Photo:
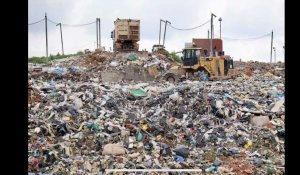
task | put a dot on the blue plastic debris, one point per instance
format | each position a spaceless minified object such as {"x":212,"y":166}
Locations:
{"x":211,"y":169}
{"x":192,"y":140}
{"x":280,"y":96}
{"x":58,"y":70}
{"x":204,"y":76}
{"x":179,"y":159}
{"x":106,"y":97}
{"x":139,"y":136}
{"x":52,"y":84}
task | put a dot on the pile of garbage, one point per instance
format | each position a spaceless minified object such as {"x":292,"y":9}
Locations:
{"x":110,"y":67}
{"x":251,"y":67}
{"x":78,"y":124}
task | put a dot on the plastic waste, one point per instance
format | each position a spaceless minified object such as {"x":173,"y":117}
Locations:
{"x":258,"y":161}
{"x":144,"y":127}
{"x":93,"y":126}
{"x":138,"y":93}
{"x":58,"y":70}
{"x":148,"y":146}
{"x":179,"y":159}
{"x":211,"y":169}
{"x":217,"y":163}
{"x":182,"y":150}
{"x":36,"y":153}
{"x":165,"y":150}
{"x":174,"y":96}
{"x":139,"y":136}
{"x":78,"y":103}
{"x":52,"y":84}
{"x":249,"y":144}
{"x":132,"y":57}
{"x":114,"y":63}
{"x":54,"y":94}
{"x":204,"y":76}
{"x":73,"y":70}
{"x":106,"y":97}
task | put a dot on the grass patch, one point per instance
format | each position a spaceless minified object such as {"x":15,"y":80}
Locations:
{"x":38,"y":60}
{"x":41,"y":60}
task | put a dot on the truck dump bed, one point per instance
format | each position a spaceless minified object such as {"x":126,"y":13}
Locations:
{"x":126,"y":34}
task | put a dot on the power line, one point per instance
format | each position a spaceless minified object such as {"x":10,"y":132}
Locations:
{"x":36,"y":22}
{"x":79,"y":25}
{"x":52,"y":21}
{"x":254,"y":38}
{"x":71,"y":25}
{"x":190,"y":28}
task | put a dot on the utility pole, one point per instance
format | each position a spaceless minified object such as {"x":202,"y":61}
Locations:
{"x":160,"y":30}
{"x":211,"y":31}
{"x":97,"y":32}
{"x":61,"y":38}
{"x":220,"y":19}
{"x":46,"y":35}
{"x":271,"y":46}
{"x":165,"y":31}
{"x":208,"y":34}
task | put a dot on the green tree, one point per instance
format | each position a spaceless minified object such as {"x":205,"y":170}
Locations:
{"x":174,"y":57}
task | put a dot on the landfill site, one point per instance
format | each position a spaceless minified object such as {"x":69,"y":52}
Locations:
{"x":131,"y":109}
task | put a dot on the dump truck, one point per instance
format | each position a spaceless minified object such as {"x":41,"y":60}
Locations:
{"x":213,"y":67}
{"x":126,"y":35}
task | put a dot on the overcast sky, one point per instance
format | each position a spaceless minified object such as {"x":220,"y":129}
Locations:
{"x":240,"y":20}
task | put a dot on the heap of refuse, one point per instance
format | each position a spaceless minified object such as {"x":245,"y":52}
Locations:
{"x":78,"y":124}
{"x":262,"y":68}
{"x":109,"y":67}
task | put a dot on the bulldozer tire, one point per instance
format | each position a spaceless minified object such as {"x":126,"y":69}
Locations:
{"x":170,"y":79}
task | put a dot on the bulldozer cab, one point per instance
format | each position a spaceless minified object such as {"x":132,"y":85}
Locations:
{"x":190,"y":56}
{"x":228,"y":64}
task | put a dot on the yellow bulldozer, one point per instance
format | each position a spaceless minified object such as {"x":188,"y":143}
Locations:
{"x":197,"y":65}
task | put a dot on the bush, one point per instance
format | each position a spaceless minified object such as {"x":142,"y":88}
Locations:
{"x":51,"y":57}
{"x":174,"y":57}
{"x":43,"y":59}
{"x":79,"y":53}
